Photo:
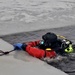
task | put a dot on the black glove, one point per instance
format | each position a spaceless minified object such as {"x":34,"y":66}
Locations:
{"x":24,"y":46}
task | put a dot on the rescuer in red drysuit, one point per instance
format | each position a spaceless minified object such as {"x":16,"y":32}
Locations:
{"x":37,"y":52}
{"x":42,"y":48}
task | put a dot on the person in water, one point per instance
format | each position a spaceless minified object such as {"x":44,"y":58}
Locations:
{"x":49,"y":47}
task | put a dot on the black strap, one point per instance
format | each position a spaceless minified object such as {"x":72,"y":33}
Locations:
{"x":5,"y":53}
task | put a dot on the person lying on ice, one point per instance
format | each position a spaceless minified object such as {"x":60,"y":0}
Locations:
{"x":49,"y":47}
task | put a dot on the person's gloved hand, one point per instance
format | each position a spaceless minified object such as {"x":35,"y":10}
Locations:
{"x":19,"y":46}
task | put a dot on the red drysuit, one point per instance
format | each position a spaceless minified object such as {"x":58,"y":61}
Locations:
{"x":38,"y":53}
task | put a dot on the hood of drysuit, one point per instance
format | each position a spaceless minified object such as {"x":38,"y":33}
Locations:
{"x":49,"y":38}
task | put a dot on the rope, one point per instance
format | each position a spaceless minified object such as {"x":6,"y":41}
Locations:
{"x":5,"y":53}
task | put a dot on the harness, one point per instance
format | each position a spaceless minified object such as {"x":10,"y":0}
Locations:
{"x":66,"y":44}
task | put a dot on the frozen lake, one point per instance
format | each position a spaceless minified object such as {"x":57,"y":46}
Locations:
{"x":29,"y":15}
{"x":37,"y":10}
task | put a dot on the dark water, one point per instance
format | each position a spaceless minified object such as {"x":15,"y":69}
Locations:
{"x":68,"y":66}
{"x":69,"y":32}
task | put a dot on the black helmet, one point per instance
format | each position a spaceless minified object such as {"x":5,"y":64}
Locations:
{"x":50,"y":37}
